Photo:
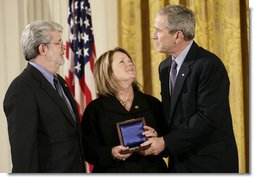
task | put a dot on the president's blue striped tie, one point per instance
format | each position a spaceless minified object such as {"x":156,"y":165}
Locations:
{"x":173,"y":72}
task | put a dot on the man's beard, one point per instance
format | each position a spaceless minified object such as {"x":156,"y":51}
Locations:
{"x":59,"y":60}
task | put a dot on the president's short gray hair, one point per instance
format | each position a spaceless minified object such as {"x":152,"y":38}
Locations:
{"x":180,"y":18}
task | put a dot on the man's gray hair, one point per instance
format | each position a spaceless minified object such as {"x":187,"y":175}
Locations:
{"x":180,"y":18}
{"x":37,"y":33}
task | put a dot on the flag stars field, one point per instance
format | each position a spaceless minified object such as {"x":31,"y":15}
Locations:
{"x":80,"y":56}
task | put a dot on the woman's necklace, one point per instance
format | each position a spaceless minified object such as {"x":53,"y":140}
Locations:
{"x":124,"y":102}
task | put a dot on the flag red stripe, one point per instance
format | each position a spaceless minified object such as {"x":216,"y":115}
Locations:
{"x":80,"y":53}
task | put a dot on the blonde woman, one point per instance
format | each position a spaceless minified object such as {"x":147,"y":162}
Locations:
{"x":119,"y":99}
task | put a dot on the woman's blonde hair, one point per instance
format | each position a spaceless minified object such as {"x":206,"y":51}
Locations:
{"x":103,"y":74}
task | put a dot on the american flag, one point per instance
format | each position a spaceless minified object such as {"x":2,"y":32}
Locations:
{"x":81,"y":56}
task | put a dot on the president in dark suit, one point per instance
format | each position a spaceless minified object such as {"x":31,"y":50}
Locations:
{"x":194,"y":90}
{"x":43,"y":122}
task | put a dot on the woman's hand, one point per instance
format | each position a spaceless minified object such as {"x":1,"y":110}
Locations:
{"x":116,"y":152}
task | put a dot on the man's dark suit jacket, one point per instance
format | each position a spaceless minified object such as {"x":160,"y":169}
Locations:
{"x":43,"y":136}
{"x":200,"y":137}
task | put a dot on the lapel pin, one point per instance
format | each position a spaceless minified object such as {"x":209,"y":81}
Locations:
{"x":183,"y":75}
{"x":65,"y":85}
{"x":136,"y":106}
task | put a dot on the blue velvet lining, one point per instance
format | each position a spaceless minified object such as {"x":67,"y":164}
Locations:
{"x":132,"y":134}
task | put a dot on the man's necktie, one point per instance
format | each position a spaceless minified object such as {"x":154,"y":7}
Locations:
{"x":60,"y":92}
{"x":173,"y":72}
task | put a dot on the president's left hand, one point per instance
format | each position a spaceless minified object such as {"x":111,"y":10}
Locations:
{"x":157,"y":145}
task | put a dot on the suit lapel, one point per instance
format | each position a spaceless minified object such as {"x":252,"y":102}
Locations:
{"x":70,"y":97}
{"x":164,"y":78}
{"x":47,"y":87}
{"x":182,"y":75}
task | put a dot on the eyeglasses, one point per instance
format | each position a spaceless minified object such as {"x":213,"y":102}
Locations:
{"x":60,"y":43}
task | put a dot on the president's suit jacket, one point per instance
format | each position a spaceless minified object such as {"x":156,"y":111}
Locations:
{"x":200,"y":137}
{"x":43,"y":136}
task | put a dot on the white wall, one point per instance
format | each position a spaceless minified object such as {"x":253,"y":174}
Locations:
{"x":105,"y":17}
{"x":14,"y":15}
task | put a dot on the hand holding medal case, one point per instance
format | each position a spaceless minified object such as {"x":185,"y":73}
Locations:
{"x":130,"y":134}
